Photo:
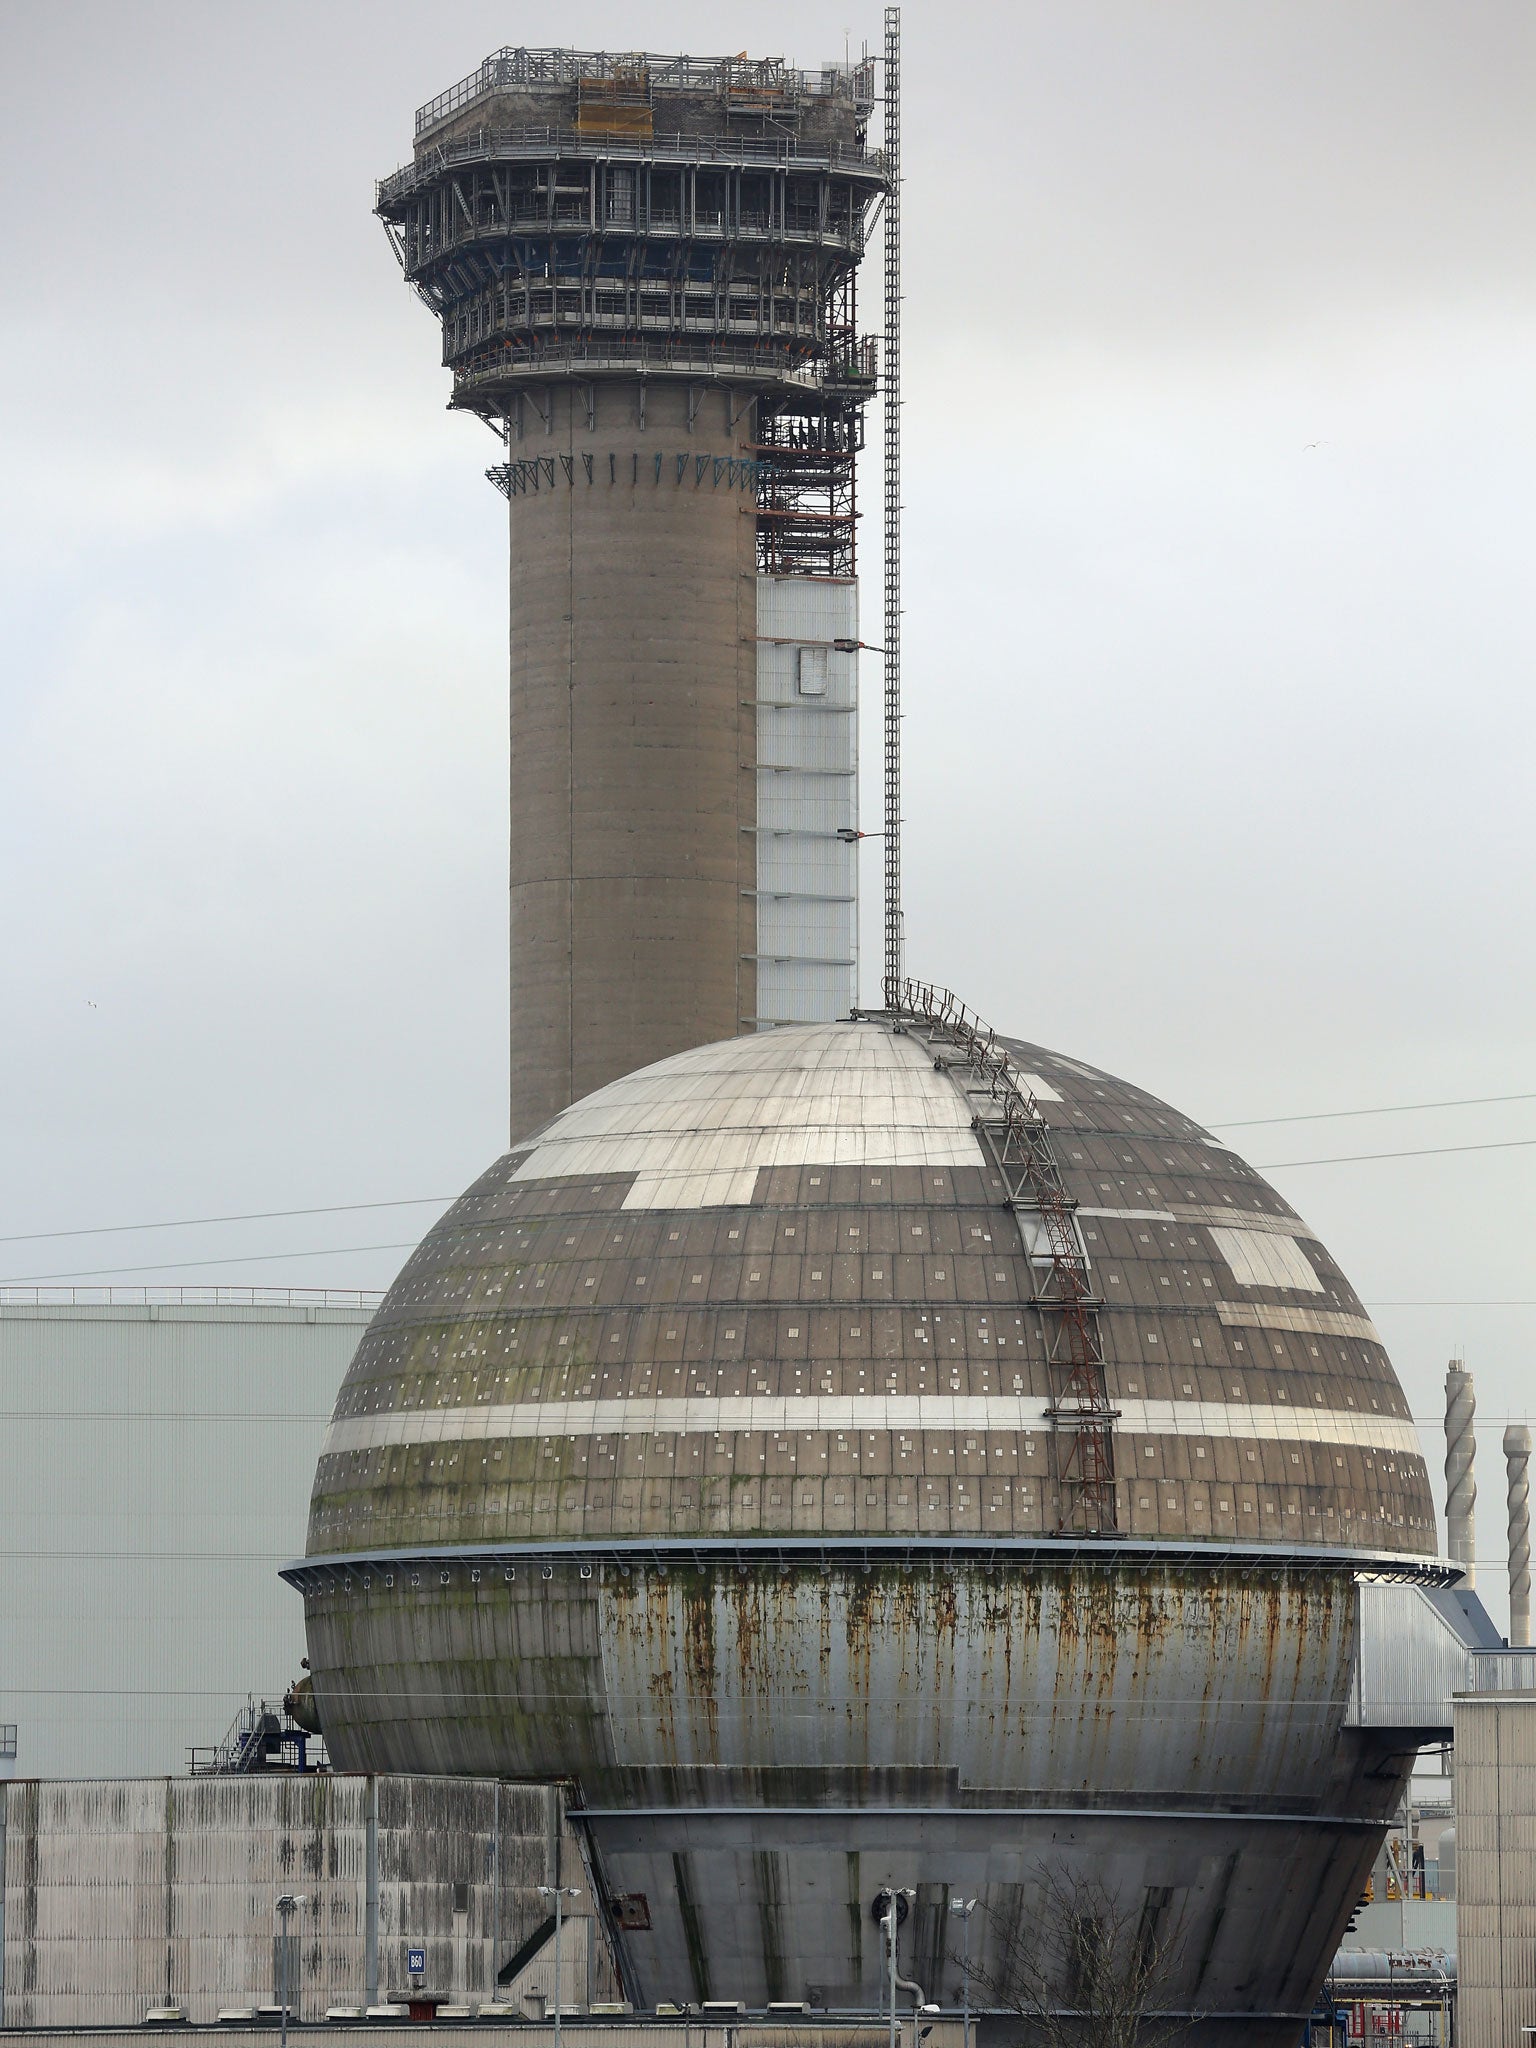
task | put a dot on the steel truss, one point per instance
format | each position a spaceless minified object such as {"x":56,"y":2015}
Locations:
{"x":1012,"y":1126}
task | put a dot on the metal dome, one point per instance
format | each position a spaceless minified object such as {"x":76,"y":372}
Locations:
{"x":722,"y":1453}
{"x":769,"y":1286}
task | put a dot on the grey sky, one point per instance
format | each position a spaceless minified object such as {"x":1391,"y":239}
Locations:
{"x":1219,"y":741}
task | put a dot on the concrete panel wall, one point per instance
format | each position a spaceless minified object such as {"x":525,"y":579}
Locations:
{"x":1495,"y":1868}
{"x":154,"y":1473}
{"x":122,"y":1895}
{"x":633,"y":748}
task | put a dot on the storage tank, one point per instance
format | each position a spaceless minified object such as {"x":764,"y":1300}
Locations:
{"x":871,"y":1453}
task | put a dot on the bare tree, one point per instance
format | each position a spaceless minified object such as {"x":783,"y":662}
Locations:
{"x":1083,"y":1968}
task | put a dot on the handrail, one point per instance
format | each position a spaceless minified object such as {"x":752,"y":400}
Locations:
{"x":500,"y":143}
{"x":1020,"y":1141}
{"x":212,"y":1295}
{"x":769,"y":363}
{"x":513,"y":66}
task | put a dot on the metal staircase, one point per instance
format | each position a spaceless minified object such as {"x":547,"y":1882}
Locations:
{"x":1010,"y":1123}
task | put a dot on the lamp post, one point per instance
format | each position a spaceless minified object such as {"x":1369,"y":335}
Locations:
{"x":559,"y":1893}
{"x":288,"y":1903}
{"x":889,"y":1920}
{"x":965,"y":1908}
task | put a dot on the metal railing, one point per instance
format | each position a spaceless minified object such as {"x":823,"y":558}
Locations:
{"x":1016,"y":1133}
{"x":764,"y":362}
{"x":210,"y":1296}
{"x":1502,"y":1671}
{"x":511,"y":66}
{"x":502,"y":144}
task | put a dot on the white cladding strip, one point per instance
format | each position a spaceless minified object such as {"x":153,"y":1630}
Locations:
{"x":1130,"y":1215}
{"x":807,"y":795}
{"x":1265,"y":1258}
{"x":697,"y":1130}
{"x":1231,"y":1218}
{"x":1307,"y":1322}
{"x":781,"y":1415}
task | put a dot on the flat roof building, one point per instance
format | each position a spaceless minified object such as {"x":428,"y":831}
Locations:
{"x":155,"y":1452}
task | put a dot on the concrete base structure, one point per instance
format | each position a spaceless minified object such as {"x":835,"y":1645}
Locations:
{"x":716,"y":2030}
{"x":1496,"y":1860}
{"x":118,"y":1897}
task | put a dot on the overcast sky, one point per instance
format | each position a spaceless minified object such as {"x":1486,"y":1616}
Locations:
{"x":1221,"y":426}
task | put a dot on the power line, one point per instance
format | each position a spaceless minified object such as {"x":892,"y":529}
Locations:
{"x":1423,"y":1152}
{"x":250,"y":1216}
{"x":339,"y":1251}
{"x":329,"y":1251}
{"x":425,"y":1201}
{"x":1322,"y":1116}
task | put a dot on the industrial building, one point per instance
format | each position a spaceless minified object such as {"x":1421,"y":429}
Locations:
{"x":865,"y":1455}
{"x":161,"y":1437}
{"x":838,"y":1465}
{"x":720,"y":1451}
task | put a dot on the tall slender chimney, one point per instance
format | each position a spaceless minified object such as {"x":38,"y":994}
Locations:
{"x":1460,"y":1484}
{"x":1517,"y":1460}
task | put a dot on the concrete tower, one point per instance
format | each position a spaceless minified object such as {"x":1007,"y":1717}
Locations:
{"x":644,"y":268}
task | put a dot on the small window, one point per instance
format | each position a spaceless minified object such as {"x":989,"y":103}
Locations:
{"x":811,"y":671}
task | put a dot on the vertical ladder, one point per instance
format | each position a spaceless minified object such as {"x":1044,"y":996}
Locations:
{"x":1013,"y":1128}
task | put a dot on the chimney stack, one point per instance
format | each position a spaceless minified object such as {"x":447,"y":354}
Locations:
{"x":1517,"y":1459}
{"x":1460,"y":1484}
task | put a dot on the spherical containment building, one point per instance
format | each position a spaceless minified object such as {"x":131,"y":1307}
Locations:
{"x":857,"y":1458}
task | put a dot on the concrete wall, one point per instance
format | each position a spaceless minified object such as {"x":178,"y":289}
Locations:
{"x":815,"y":2031}
{"x":633,"y":741}
{"x":1496,"y":1868}
{"x":123,"y":1895}
{"x":154,"y":1473}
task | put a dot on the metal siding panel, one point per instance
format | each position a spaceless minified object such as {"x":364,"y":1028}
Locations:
{"x":807,"y":790}
{"x":155,"y":1465}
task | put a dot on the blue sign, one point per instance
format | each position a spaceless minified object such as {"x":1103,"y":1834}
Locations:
{"x":415,"y":1962}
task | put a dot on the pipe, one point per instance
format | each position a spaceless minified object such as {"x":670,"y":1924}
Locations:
{"x":1460,"y":1481}
{"x":1517,"y":1460}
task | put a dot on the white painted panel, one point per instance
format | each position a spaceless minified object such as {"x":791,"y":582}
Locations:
{"x":807,"y":795}
{"x":782,"y":1099}
{"x":935,"y":1414}
{"x":1265,"y":1258}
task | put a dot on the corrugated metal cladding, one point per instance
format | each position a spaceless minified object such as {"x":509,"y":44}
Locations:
{"x":1495,"y":1868}
{"x":807,"y":793}
{"x":154,"y":1469}
{"x":127,"y":1894}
